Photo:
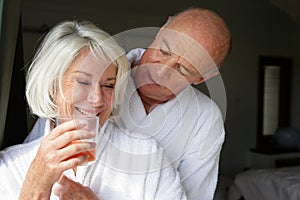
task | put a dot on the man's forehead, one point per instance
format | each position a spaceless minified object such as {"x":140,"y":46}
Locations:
{"x":185,"y":47}
{"x":178,"y":42}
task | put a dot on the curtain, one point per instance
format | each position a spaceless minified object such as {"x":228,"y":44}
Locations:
{"x":10,"y":15}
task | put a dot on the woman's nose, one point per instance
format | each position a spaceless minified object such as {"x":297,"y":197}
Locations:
{"x":95,"y":96}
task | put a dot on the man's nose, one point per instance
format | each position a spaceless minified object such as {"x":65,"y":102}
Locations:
{"x":166,"y":68}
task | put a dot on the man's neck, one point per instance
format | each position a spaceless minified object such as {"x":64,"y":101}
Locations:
{"x":149,"y":104}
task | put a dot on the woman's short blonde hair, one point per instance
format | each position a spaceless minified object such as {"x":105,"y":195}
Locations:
{"x":55,"y":54}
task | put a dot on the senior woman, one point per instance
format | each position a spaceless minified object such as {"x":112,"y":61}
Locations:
{"x":80,"y":70}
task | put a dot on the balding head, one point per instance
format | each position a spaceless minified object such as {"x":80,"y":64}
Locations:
{"x":207,"y":28}
{"x":187,"y":50}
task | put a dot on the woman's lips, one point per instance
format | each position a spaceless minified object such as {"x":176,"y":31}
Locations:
{"x":84,"y":112}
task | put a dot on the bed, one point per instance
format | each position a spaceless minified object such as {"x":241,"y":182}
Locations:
{"x":267,"y":184}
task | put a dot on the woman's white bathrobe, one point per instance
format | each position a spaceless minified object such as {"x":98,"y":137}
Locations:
{"x":128,"y":167}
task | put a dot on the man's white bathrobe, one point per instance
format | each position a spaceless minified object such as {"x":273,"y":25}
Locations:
{"x":128,"y":167}
{"x":190,"y":128}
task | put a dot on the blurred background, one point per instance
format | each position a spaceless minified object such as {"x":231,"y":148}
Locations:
{"x":264,"y":33}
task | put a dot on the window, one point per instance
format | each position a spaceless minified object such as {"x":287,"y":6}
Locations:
{"x":274,"y":88}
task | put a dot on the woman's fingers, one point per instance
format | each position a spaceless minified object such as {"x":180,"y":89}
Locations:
{"x":63,"y":148}
{"x":66,"y":146}
{"x":68,"y":189}
{"x":65,"y":127}
{"x":73,"y":135}
{"x":73,"y":162}
{"x":76,"y":148}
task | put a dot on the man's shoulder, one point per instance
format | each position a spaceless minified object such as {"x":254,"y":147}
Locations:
{"x":135,"y":55}
{"x":201,"y":95}
{"x":206,"y":106}
{"x":203,"y":100}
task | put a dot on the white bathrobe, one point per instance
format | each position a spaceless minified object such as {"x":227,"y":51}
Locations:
{"x":127,"y":168}
{"x":190,"y":128}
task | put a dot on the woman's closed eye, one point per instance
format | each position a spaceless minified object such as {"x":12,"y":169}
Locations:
{"x":108,"y":86}
{"x":83,"y":81}
{"x":108,"y":83}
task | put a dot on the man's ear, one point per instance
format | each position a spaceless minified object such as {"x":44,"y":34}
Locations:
{"x":201,"y":80}
{"x":207,"y":76}
{"x":168,"y":21}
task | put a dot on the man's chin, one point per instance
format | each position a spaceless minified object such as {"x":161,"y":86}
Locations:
{"x":157,"y":95}
{"x":154,"y":87}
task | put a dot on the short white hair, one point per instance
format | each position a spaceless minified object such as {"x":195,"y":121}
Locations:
{"x":55,"y":54}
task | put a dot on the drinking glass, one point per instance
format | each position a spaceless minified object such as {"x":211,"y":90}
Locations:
{"x":91,"y":124}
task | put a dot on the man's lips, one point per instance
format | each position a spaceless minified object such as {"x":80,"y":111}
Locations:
{"x":150,"y":77}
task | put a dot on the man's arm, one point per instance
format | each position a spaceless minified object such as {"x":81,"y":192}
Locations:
{"x":199,"y":173}
{"x":199,"y":165}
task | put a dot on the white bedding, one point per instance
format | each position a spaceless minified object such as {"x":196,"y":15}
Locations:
{"x":268,"y":184}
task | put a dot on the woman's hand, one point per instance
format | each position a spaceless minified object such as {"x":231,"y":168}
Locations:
{"x":54,"y":156}
{"x":70,"y":190}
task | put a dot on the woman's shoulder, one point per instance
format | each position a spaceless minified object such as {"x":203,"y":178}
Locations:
{"x":14,"y":163}
{"x":20,"y":153}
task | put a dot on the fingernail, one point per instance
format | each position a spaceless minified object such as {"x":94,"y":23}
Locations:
{"x":93,"y":133}
{"x":81,"y":123}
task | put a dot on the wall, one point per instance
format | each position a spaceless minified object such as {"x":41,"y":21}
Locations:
{"x":257,"y":27}
{"x":259,"y":30}
{"x":30,"y":41}
{"x":296,"y":79}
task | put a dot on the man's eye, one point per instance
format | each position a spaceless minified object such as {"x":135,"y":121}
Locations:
{"x":183,"y":71}
{"x":165,"y":52}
